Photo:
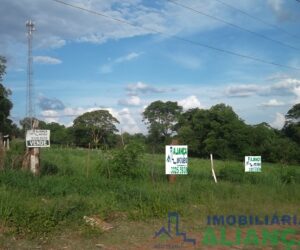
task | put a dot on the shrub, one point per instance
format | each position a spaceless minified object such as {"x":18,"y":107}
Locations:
{"x":127,"y":162}
{"x":232,"y":173}
{"x":14,"y":156}
{"x":48,"y":168}
{"x":289,"y":175}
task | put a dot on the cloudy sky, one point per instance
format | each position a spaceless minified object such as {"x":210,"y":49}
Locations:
{"x":122,"y":55}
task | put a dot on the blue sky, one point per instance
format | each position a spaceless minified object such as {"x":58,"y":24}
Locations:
{"x":84,"y":62}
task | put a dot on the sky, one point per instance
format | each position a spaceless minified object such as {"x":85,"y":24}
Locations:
{"x":123,"y":55}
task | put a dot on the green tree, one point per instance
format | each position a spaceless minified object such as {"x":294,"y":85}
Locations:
{"x":217,"y":130}
{"x":59,"y":133}
{"x":161,"y":119}
{"x":26,"y":124}
{"x":95,"y":127}
{"x":292,"y":124}
{"x":5,"y":104}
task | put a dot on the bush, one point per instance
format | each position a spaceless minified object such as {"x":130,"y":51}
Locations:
{"x":14,"y":156}
{"x":232,"y":174}
{"x":48,"y":168}
{"x":127,"y":162}
{"x":289,"y":175}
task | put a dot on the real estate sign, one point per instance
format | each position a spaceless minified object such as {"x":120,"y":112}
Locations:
{"x":252,"y":163}
{"x":176,"y":159}
{"x":37,"y":138}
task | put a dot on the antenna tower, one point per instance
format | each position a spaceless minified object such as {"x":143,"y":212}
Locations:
{"x":29,"y":91}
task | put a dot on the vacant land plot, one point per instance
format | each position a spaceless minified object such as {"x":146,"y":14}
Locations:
{"x":48,"y":211}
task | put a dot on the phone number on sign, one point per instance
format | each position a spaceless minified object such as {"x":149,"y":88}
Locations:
{"x":178,"y":170}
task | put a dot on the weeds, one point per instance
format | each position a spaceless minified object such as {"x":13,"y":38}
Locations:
{"x":137,"y":187}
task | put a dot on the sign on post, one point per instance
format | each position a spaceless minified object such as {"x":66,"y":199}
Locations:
{"x":176,"y":159}
{"x":37,"y":138}
{"x":252,"y":163}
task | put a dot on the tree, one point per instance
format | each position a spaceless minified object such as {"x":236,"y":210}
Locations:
{"x":161,"y":118}
{"x":95,"y":127}
{"x":292,"y":125}
{"x":5,"y":104}
{"x":26,"y":124}
{"x":217,"y":130}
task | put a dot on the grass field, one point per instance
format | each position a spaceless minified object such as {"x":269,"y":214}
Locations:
{"x":37,"y":211}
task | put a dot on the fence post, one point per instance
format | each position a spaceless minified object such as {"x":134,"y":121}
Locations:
{"x":212,"y":168}
{"x":2,"y":153}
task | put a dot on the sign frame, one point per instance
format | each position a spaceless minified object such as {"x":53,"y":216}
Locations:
{"x":176,"y":160}
{"x":37,"y":138}
{"x":253,"y":164}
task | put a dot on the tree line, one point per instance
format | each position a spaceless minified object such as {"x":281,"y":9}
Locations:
{"x":218,"y":130}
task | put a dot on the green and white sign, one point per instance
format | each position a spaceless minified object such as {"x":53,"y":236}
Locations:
{"x":37,"y":138}
{"x":176,"y":159}
{"x":252,"y":163}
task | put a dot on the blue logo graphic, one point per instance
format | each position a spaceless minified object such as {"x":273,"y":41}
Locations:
{"x":164,"y":231}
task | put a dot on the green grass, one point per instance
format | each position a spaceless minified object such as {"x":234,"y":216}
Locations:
{"x":40,"y":205}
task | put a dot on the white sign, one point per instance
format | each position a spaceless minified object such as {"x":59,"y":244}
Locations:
{"x":176,"y":159}
{"x":38,"y":138}
{"x":252,"y":163}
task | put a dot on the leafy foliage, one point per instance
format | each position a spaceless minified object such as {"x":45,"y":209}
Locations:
{"x":292,"y":124}
{"x":94,"y":127}
{"x":127,"y":162}
{"x":161,"y":118}
{"x":5,"y":104}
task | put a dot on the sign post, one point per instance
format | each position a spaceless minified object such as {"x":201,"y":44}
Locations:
{"x":252,"y":163}
{"x":35,"y":139}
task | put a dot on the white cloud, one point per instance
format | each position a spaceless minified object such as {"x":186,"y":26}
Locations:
{"x":288,"y":86}
{"x":108,"y":68}
{"x":50,"y":116}
{"x":52,"y":42}
{"x":131,"y":101}
{"x":297,"y":93}
{"x":190,"y":102}
{"x":46,"y":60}
{"x":128,"y":57}
{"x":272,"y":103}
{"x":57,"y":24}
{"x":126,"y":118}
{"x":143,"y":88}
{"x":186,"y":61}
{"x":279,"y":121}
{"x":242,"y":90}
{"x":127,"y":122}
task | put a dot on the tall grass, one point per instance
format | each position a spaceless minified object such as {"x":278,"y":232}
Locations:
{"x":78,"y":187}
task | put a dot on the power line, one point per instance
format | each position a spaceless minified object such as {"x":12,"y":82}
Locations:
{"x":258,"y":19}
{"x":178,"y":37}
{"x":233,"y":25}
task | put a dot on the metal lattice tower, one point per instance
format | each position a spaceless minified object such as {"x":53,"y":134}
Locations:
{"x":29,"y":91}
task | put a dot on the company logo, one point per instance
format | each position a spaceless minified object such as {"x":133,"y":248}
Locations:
{"x":276,"y":231}
{"x":173,"y":220}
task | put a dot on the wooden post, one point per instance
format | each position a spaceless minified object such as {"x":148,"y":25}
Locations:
{"x":35,"y":155}
{"x":212,"y":168}
{"x":8,"y":144}
{"x":172,"y":177}
{"x":2,"y":152}
{"x":31,"y":159}
{"x":88,"y":161}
